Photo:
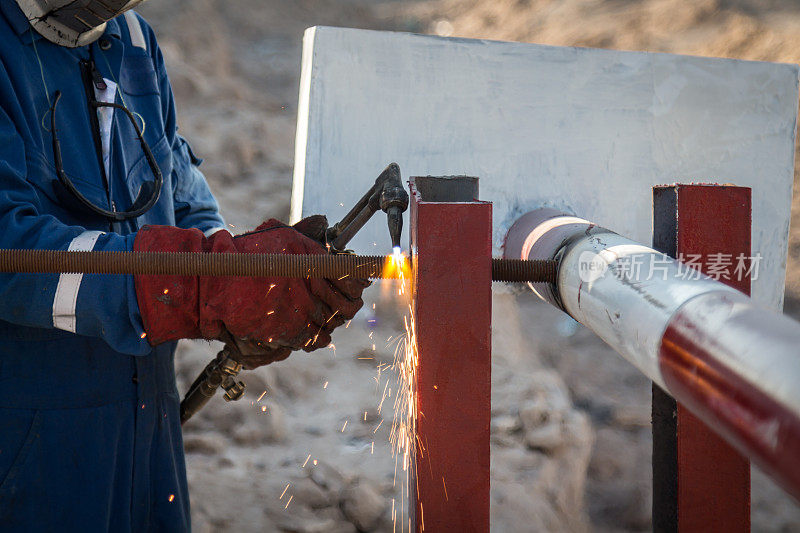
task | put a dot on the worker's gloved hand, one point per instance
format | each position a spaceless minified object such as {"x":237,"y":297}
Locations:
{"x":313,"y":227}
{"x":275,"y":315}
{"x":255,"y":354}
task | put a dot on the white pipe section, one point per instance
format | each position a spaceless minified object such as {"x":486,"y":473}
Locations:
{"x":734,"y":364}
{"x":627,"y":294}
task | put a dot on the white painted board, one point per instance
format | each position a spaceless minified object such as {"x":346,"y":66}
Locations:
{"x":584,"y":130}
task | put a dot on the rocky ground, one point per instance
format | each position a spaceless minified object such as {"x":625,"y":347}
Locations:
{"x":570,"y":419}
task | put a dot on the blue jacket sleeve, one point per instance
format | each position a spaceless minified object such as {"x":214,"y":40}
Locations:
{"x":195,"y":206}
{"x":96,"y":306}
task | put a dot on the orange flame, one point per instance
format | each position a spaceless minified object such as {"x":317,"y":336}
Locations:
{"x":396,"y":267}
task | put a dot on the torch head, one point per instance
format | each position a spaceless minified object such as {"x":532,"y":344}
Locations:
{"x":388,"y":195}
{"x":393,"y":202}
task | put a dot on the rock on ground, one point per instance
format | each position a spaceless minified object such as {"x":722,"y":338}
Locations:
{"x":363,"y":505}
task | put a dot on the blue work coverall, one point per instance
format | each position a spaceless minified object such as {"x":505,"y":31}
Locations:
{"x":90,"y":436}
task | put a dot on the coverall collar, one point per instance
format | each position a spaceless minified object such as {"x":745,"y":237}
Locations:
{"x":25,"y":31}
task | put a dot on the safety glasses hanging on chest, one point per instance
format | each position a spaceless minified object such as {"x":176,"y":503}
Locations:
{"x":150,"y":190}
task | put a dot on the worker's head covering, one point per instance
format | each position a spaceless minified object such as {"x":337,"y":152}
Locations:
{"x":73,"y":23}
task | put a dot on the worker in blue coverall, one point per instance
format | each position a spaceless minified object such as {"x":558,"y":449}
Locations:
{"x":90,"y":159}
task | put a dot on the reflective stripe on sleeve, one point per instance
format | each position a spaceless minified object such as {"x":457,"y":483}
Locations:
{"x":135,"y":29}
{"x":66,"y":298}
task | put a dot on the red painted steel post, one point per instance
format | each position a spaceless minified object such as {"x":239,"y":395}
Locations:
{"x":700,"y":482}
{"x":451,"y":241}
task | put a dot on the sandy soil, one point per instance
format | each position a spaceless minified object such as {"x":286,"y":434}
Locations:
{"x":235,"y":68}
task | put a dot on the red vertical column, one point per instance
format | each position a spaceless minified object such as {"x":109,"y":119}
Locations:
{"x":451,"y":245}
{"x":700,"y":482}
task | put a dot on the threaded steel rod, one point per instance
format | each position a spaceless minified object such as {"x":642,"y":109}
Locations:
{"x":235,"y":264}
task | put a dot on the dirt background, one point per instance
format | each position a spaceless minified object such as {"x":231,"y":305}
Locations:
{"x":570,"y":419}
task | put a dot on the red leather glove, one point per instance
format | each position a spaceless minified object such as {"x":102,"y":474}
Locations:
{"x":267,"y":316}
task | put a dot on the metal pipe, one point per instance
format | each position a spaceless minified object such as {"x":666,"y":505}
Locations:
{"x":733,"y":363}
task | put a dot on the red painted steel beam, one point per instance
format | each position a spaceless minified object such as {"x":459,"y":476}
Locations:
{"x":451,"y":244}
{"x":700,"y":482}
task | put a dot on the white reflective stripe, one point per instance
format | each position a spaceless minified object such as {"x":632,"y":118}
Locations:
{"x":135,"y":29}
{"x":105,"y":116}
{"x":212,"y":231}
{"x":66,"y":298}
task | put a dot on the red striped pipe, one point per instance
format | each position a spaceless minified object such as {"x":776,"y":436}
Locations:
{"x":731,"y":362}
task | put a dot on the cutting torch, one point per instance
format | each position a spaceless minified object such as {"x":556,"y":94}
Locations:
{"x":386,"y":194}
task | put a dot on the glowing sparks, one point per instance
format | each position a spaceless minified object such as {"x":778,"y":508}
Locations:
{"x":263,"y":408}
{"x":143,"y":335}
{"x":403,"y":431}
{"x":383,"y":397}
{"x":325,"y":386}
{"x":306,"y":461}
{"x":344,"y":426}
{"x":333,"y":315}
{"x":171,"y":498}
{"x":403,"y":441}
{"x":262,"y":396}
{"x":290,"y":501}
{"x":284,"y":490}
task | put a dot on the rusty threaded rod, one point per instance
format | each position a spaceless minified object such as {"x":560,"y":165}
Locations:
{"x":236,"y":264}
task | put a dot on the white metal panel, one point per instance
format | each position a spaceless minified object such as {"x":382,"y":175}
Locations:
{"x":582,"y":130}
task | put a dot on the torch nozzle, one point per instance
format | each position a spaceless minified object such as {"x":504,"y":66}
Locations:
{"x":394,"y":216}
